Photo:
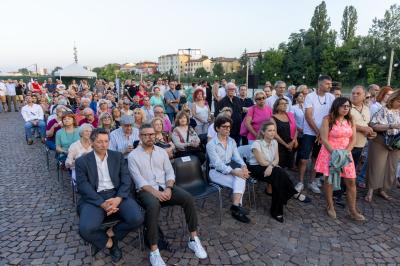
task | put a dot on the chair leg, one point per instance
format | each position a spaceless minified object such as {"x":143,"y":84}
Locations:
{"x":220,"y":206}
{"x":47,"y":159}
{"x":58,"y":171}
{"x":249,"y":192}
{"x":254,"y":197}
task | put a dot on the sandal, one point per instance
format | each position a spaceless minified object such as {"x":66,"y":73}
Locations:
{"x":384,"y":196}
{"x":303,"y":198}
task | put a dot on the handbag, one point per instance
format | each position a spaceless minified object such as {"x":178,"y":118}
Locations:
{"x":392,"y":142}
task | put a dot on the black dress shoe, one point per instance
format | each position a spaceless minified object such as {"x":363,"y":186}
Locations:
{"x":94,"y":250}
{"x":115,"y":251}
{"x":243,"y":210}
{"x":239,"y":214}
{"x":279,"y":218}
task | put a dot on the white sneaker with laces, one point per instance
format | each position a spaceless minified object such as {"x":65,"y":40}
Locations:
{"x":299,"y":187}
{"x":156,"y":259}
{"x":197,"y":248}
{"x":314,"y":187}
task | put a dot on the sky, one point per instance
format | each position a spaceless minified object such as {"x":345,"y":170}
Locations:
{"x":120,"y":31}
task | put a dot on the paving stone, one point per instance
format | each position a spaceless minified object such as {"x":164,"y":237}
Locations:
{"x":39,"y":224}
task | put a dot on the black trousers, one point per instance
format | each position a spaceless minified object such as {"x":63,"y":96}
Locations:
{"x":91,"y":217}
{"x":282,"y":186}
{"x":152,"y":207}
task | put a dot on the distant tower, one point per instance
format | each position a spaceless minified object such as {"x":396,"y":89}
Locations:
{"x":75,"y":54}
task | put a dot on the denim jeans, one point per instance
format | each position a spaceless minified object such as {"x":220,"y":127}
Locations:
{"x":28,"y":129}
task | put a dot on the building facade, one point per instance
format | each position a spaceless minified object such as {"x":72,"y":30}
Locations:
{"x":193,"y":64}
{"x":174,"y":62}
{"x":229,"y":65}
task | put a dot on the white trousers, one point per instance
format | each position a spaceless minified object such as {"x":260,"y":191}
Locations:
{"x":237,"y":184}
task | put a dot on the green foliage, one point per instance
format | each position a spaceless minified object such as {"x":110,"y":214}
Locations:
{"x":388,"y":28}
{"x":218,"y":70}
{"x":201,"y":72}
{"x":349,"y":23}
{"x":23,"y":71}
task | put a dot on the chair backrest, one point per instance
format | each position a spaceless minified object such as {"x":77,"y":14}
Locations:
{"x":189,"y":175}
{"x":245,"y":152}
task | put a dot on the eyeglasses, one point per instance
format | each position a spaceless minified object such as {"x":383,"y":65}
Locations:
{"x":148,"y":135}
{"x":136,"y":113}
{"x":107,"y":118}
{"x":346,"y":106}
{"x":368,"y":97}
{"x":260,"y":99}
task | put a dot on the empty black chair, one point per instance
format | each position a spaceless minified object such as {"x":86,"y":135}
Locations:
{"x":189,"y":176}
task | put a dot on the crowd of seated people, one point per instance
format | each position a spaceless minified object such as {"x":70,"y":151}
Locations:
{"x":147,"y":127}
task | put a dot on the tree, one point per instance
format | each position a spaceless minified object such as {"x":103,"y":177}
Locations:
{"x":218,"y":70}
{"x":55,"y":70}
{"x":388,"y":30}
{"x":201,"y":72}
{"x":319,"y":34}
{"x":24,"y":71}
{"x":349,"y":22}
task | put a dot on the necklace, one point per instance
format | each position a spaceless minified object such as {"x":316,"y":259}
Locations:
{"x":320,"y":100}
{"x":360,"y":112}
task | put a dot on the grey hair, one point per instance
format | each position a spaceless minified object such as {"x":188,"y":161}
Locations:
{"x":88,"y":110}
{"x":231,"y":84}
{"x":279,"y":82}
{"x":291,"y":87}
{"x":301,"y":88}
{"x":84,"y":127}
{"x":85,"y":99}
{"x":358,"y":86}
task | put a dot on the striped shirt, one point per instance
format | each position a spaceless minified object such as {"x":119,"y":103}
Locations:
{"x":119,"y":142}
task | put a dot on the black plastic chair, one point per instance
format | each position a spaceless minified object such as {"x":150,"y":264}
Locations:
{"x":190,"y":177}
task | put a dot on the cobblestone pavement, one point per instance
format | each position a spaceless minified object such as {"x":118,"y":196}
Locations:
{"x":38,"y":223}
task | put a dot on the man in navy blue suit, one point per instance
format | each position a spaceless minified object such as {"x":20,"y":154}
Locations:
{"x":104,"y":184}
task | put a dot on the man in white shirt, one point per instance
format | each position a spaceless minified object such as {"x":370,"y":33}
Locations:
{"x":34,"y":117}
{"x":104,"y":184}
{"x":11,"y":95}
{"x":280,"y":88}
{"x":3,"y":93}
{"x":154,"y":177}
{"x":317,"y":105}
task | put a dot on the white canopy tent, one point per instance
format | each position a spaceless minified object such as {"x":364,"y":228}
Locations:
{"x":75,"y":71}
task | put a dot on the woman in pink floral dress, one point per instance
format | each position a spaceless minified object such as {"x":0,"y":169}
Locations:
{"x":338,"y":132}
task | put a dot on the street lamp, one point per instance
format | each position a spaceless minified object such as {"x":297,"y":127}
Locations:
{"x":304,"y":77}
{"x":396,"y":65}
{"x":339,"y":72}
{"x":288,"y":76}
{"x":274,"y":74}
{"x":360,"y":66}
{"x":384,"y":57}
{"x":263,"y":71}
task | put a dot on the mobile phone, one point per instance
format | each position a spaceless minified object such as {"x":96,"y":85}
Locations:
{"x":135,"y":144}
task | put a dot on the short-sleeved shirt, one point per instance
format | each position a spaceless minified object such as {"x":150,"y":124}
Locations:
{"x":270,"y":101}
{"x":320,"y":106}
{"x":267,"y":150}
{"x":64,"y":139}
{"x":298,"y":115}
{"x":171,"y":96}
{"x":360,"y":118}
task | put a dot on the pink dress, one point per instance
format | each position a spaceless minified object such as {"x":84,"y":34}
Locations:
{"x":339,"y":138}
{"x":259,"y":116}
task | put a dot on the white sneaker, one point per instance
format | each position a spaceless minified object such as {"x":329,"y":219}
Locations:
{"x":299,"y":187}
{"x":156,"y":259}
{"x":197,"y":248}
{"x":318,"y":180}
{"x":314,"y":187}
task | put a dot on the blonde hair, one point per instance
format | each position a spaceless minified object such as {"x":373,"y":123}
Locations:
{"x":142,"y":114}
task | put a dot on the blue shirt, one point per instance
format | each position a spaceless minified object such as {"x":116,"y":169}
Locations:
{"x":171,"y":96}
{"x":219,"y":157}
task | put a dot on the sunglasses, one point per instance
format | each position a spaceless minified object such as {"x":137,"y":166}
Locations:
{"x":260,"y":99}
